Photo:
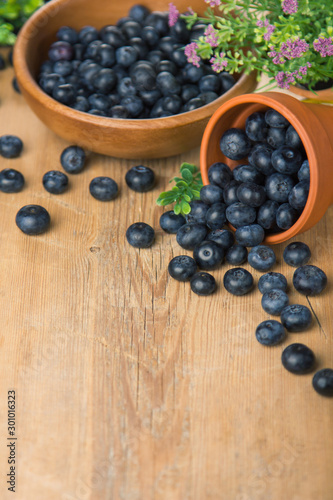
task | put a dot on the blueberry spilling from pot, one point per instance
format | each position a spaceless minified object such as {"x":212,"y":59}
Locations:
{"x":136,"y":69}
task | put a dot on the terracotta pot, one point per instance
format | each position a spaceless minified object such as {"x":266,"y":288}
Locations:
{"x":126,"y":138}
{"x":314,"y":124}
{"x":320,"y":95}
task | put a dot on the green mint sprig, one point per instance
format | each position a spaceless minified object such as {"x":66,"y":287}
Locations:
{"x":187,"y":189}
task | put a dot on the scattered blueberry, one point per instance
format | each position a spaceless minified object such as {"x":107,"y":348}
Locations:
{"x":219,"y":174}
{"x":171,"y":222}
{"x":222,"y":237}
{"x":286,"y":216}
{"x":296,"y":254}
{"x":208,"y":255}
{"x":238,"y":281}
{"x":11,"y":181}
{"x":211,"y":194}
{"x":16,"y":85}
{"x":32,"y":219}
{"x":261,"y":258}
{"x":55,"y":182}
{"x":309,"y":280}
{"x":266,"y":216}
{"x":140,"y":235}
{"x":215,"y":217}
{"x":239,"y":214}
{"x":73,"y":159}
{"x":182,"y":268}
{"x":236,"y":255}
{"x":298,"y":359}
{"x":250,"y":236}
{"x":203,"y":283}
{"x":296,"y":317}
{"x":323,"y":382}
{"x":10,"y":146}
{"x":191,"y":235}
{"x":140,"y":178}
{"x":274,"y":301}
{"x":270,"y":281}
{"x":103,"y":188}
{"x":230,"y":192}
{"x":270,"y":333}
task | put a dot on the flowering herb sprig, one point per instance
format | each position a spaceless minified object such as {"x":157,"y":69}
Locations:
{"x":291,"y":41}
{"x":187,"y":189}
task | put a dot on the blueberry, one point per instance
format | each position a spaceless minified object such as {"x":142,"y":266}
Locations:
{"x":260,"y":157}
{"x":159,"y":21}
{"x":55,"y":182}
{"x":2,"y":63}
{"x":118,"y":111}
{"x":126,"y":87}
{"x":298,"y":196}
{"x":296,"y":254}
{"x":222,"y":237}
{"x":171,"y":222}
{"x":236,"y":255}
{"x":261,"y":258}
{"x":133,"y":104}
{"x":131,"y":29}
{"x":275,"y":119}
{"x":208,"y":255}
{"x":15,"y":85}
{"x":61,"y":51}
{"x":93,"y":49}
{"x":126,"y":55}
{"x":209,"y":83}
{"x":286,"y":160}
{"x":140,"y":178}
{"x":278,"y":187}
{"x":172,"y":104}
{"x":323,"y":382}
{"x":180,"y":32}
{"x":296,"y":318}
{"x":239,"y":214}
{"x":188,"y":92}
{"x":150,"y":97}
{"x":11,"y":181}
{"x":292,"y":138}
{"x":208,"y":97}
{"x":64,"y":94}
{"x":219,"y":174}
{"x":256,"y":127}
{"x":150,"y":36}
{"x":286,"y":216}
{"x":99,"y":101}
{"x":270,"y":332}
{"x":167,"y":84}
{"x":178,"y":56}
{"x":250,"y":235}
{"x":97,"y":112}
{"x":140,"y":46}
{"x":198,"y":212}
{"x":248,"y":173}
{"x":192,"y":74}
{"x":235,"y":144}
{"x":10,"y":146}
{"x":103,"y":188}
{"x":215,"y":217}
{"x":113,"y":36}
{"x":81,"y":104}
{"x":192,"y":104}
{"x":304,"y":172}
{"x":203,"y":283}
{"x":298,"y":359}
{"x":274,"y":301}
{"x":155,"y":56}
{"x":105,"y":81}
{"x":79,"y":50}
{"x":139,"y":12}
{"x":32,"y":219}
{"x":46,"y":68}
{"x":88,"y":34}
{"x":143,"y":76}
{"x":67,"y":34}
{"x":227,"y":81}
{"x":276,"y":137}
{"x":140,"y":235}
{"x":230,"y":192}
{"x":62,"y":68}
{"x":251,"y":194}
{"x":309,"y":280}
{"x":211,"y":194}
{"x":73,"y":159}
{"x":270,"y":281}
{"x":266,"y":216}
{"x":191,"y":235}
{"x":238,"y":281}
{"x":166,"y":44}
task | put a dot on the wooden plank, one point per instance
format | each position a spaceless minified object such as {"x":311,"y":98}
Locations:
{"x":128,"y":385}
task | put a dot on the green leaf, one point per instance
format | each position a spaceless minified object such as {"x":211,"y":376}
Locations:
{"x":187,"y":175}
{"x":189,"y":166}
{"x":187,"y":197}
{"x":177,"y":209}
{"x":185,"y":207}
{"x":196,"y":193}
{"x":181,"y":184}
{"x":175,"y":188}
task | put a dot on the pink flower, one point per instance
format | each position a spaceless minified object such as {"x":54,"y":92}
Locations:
{"x":213,"y":3}
{"x":269,"y":30}
{"x":291,"y":49}
{"x":284,"y":78}
{"x":211,"y":36}
{"x":173,"y":14}
{"x":219,"y":62}
{"x":289,"y":6}
{"x":324,"y":46}
{"x":191,"y":54}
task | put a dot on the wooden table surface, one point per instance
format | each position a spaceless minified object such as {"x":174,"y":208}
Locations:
{"x":128,"y":385}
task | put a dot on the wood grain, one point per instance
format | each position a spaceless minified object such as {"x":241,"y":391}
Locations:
{"x":128,"y":385}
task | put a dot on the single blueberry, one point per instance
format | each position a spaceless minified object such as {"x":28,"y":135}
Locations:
{"x":239,"y":214}
{"x":286,"y":160}
{"x":167,"y":84}
{"x":192,"y":104}
{"x":275,"y":119}
{"x":73,"y":159}
{"x":208,"y":97}
{"x":159,"y":21}
{"x":298,"y":196}
{"x":286,"y":216}
{"x":256,"y":127}
{"x":238,"y":281}
{"x":222,"y":237}
{"x":251,"y":194}
{"x":230,"y":192}
{"x":248,"y":173}
{"x":298,"y":359}
{"x":270,"y":281}
{"x":180,"y":32}
{"x":67,"y":34}
{"x":198,"y":212}
{"x":65,"y":94}
{"x":296,"y":318}
{"x":323,"y":382}
{"x":208,"y":255}
{"x":304,"y":172}
{"x":227,"y":81}
{"x":309,"y":280}
{"x":190,"y":235}
{"x":274,"y":301}
{"x":296,"y":254}
{"x":219,"y":174}
{"x":266,"y":216}
{"x":55,"y":182}
{"x":10,"y":146}
{"x":15,"y":85}
{"x":131,"y":29}
{"x":105,"y":81}
{"x":81,"y":104}
{"x":150,"y":36}
{"x":133,"y":104}
{"x":103,"y":188}
{"x":11,"y":181}
{"x":235,"y":144}
{"x":140,"y":178}
{"x":270,"y":333}
{"x":211,"y":194}
{"x":261,"y":258}
{"x":126,"y":56}
{"x":250,"y":235}
{"x":188,"y":92}
{"x":192,"y":74}
{"x":171,"y":222}
{"x":236,"y":255}
{"x":278,"y":187}
{"x":203,"y":283}
{"x":260,"y":157}
{"x":292,"y":138}
{"x":113,"y":36}
{"x":140,"y":235}
{"x":172,"y":104}
{"x":139,"y":12}
{"x":209,"y":83}
{"x":216,"y":217}
{"x":61,"y":51}
{"x":118,"y":111}
{"x":32,"y":219}
{"x":276,"y":137}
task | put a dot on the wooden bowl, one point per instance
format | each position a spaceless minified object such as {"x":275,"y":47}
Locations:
{"x":123,"y":138}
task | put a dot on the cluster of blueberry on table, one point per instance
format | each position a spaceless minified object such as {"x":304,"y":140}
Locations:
{"x":134,"y":69}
